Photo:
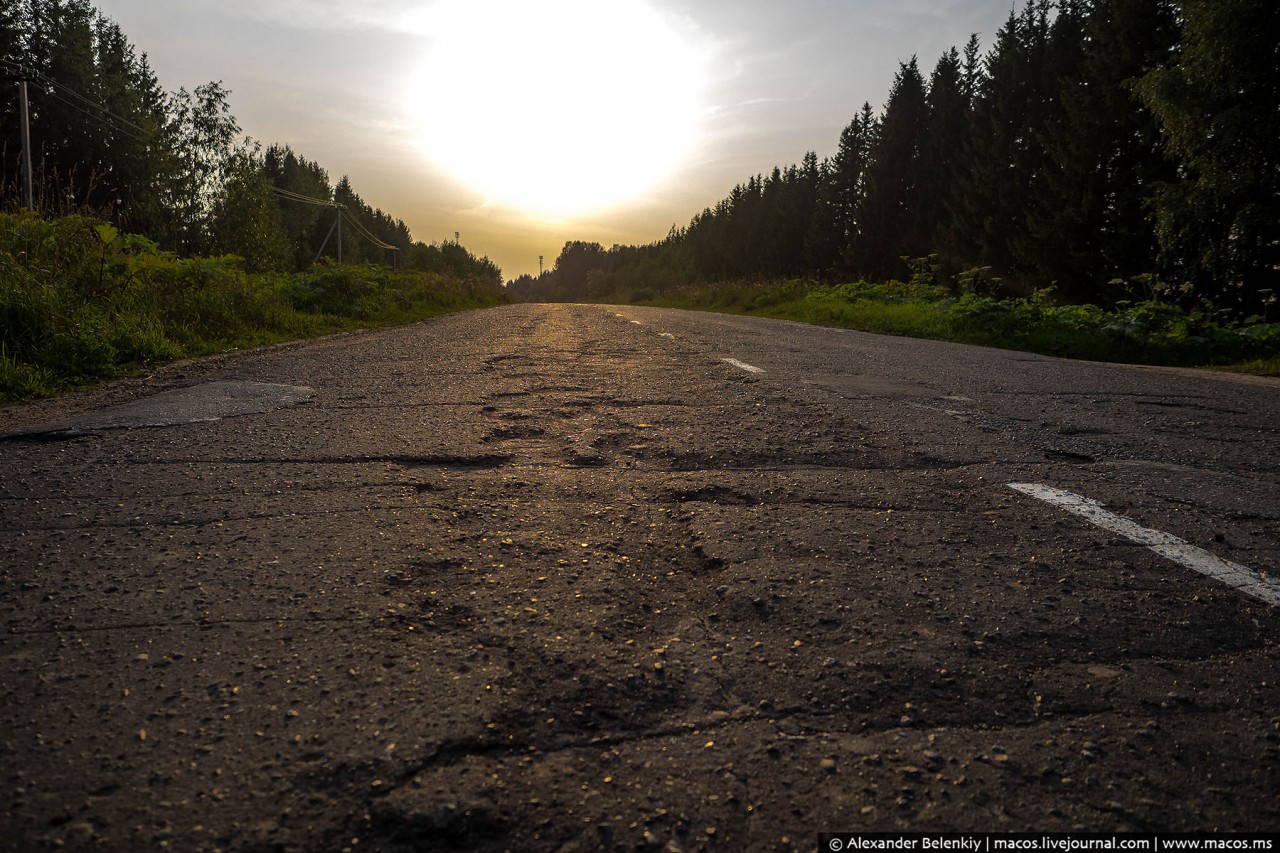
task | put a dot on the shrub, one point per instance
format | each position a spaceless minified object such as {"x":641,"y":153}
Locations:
{"x":80,"y":301}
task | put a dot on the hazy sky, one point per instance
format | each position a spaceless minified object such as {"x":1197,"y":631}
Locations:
{"x":461,"y":115}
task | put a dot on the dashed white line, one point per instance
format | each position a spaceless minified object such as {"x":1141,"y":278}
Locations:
{"x":667,"y":335}
{"x":742,"y":365}
{"x":1246,"y":580}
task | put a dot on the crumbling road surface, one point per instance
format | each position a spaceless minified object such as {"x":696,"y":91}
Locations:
{"x":581,"y":577}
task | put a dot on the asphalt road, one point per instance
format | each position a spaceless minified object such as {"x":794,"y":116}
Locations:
{"x":583,"y":577}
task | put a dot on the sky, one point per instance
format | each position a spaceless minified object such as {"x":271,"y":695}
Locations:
{"x":522,"y":124}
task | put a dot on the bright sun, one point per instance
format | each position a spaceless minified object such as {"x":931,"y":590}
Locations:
{"x":558,"y":107}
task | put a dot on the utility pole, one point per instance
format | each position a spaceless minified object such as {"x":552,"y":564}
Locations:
{"x":24,"y":119}
{"x":336,"y":226}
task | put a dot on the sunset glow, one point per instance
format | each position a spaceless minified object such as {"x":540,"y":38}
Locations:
{"x":557,"y":108}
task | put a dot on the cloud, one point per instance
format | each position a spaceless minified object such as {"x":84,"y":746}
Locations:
{"x":392,"y":16}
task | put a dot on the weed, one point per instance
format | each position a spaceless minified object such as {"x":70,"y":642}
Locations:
{"x":81,"y":302}
{"x":1149,"y":331}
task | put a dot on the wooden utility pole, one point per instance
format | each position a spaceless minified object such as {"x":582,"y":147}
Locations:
{"x":336,"y":226}
{"x":24,"y":119}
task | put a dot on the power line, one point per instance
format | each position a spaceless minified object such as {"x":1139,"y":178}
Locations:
{"x":49,"y":81}
{"x":48,"y":84}
{"x":289,"y":195}
{"x":120,"y":130}
{"x":372,"y":239}
{"x":122,"y":126}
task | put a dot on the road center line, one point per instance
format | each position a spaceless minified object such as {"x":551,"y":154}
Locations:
{"x":742,"y":365}
{"x":1246,"y":580}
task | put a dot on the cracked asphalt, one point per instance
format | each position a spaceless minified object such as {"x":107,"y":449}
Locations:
{"x":561,"y":578}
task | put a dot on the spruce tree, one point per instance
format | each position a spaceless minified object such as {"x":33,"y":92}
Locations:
{"x":941,"y":156}
{"x":1094,"y":224}
{"x":1219,"y":103}
{"x":889,"y":229}
{"x":833,"y":233}
{"x":1005,"y":158}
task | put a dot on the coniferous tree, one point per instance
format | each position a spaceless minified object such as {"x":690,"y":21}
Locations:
{"x":1093,"y":225}
{"x":1041,"y":244}
{"x":1004,"y":158}
{"x":834,"y":233}
{"x":1218,"y":225}
{"x":941,"y":160}
{"x":354,"y":250}
{"x":887,"y":221}
{"x":791,"y":215}
{"x":12,"y":26}
{"x":60,"y":47}
{"x":138,"y":168}
{"x":971,"y":72}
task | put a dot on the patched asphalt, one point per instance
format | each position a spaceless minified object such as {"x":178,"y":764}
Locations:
{"x":545,"y":578}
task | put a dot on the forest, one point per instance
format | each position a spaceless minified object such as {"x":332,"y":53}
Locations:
{"x":157,"y":231}
{"x":111,"y":143}
{"x":1105,"y":151}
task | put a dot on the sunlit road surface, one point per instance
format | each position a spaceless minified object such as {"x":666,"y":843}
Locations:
{"x":580,"y":577}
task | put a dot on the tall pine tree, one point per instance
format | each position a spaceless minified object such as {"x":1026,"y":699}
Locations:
{"x":887,"y":219}
{"x":941,"y":158}
{"x":1093,"y":224}
{"x":833,"y":233}
{"x":1219,"y":102}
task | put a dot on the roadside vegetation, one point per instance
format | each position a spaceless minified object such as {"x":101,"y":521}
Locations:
{"x":1142,"y":331}
{"x":81,"y":301}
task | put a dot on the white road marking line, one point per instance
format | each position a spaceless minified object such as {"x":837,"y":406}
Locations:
{"x":635,"y":322}
{"x":742,"y":365}
{"x":667,"y":335}
{"x":1249,"y":581}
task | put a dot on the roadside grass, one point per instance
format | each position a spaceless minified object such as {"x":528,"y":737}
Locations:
{"x":80,"y":302}
{"x":1146,"y":332}
{"x":1257,"y":367}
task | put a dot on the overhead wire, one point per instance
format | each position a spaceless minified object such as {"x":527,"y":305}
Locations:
{"x":120,"y":130}
{"x":125,"y":127}
{"x":356,"y":225}
{"x":47,"y":83}
{"x":289,"y":195}
{"x":365,"y":232}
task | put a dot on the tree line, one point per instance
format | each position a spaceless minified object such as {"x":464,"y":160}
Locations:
{"x":1105,"y":148}
{"x":109,"y":141}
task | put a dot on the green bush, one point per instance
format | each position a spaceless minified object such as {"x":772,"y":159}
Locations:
{"x":80,"y":302}
{"x":1148,"y":332}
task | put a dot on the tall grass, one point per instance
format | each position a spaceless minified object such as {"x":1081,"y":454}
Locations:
{"x":1146,"y":332}
{"x":81,"y":302}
